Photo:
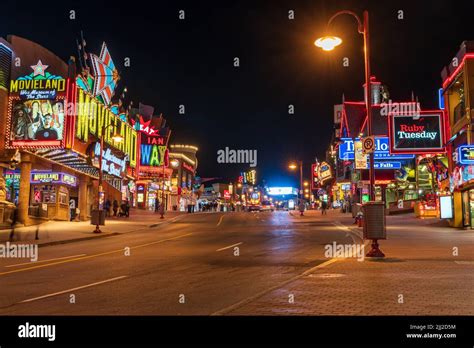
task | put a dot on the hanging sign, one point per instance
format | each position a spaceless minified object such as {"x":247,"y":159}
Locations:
{"x":360,"y":156}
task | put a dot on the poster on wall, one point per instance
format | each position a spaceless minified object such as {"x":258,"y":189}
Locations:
{"x":36,"y":110}
{"x":418,"y":135}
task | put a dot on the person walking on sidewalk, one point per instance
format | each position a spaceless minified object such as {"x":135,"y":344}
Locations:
{"x":324,"y":207}
{"x":107,"y":207}
{"x":127,"y":208}
{"x":157,"y":205}
{"x":301,"y":207}
{"x":115,"y":206}
{"x":14,"y":220}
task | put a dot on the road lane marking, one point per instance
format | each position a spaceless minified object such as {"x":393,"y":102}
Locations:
{"x":278,"y":286}
{"x":220,"y":220}
{"x":91,"y":256}
{"x":228,"y":247}
{"x":73,"y":289}
{"x":57,"y":258}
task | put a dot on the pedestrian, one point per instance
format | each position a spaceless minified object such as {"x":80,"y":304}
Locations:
{"x":107,"y":207}
{"x":13,"y":223}
{"x":301,"y":207}
{"x":157,"y":204}
{"x":324,"y":207}
{"x":115,"y":206}
{"x":127,"y":208}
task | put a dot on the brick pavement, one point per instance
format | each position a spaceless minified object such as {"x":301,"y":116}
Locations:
{"x":419,"y":276}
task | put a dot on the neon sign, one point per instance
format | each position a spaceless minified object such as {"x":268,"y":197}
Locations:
{"x":92,"y":116}
{"x":111,"y":163}
{"x":53,"y":178}
{"x":382,"y":145}
{"x":465,"y":154}
{"x":422,"y":134}
{"x":36,"y":110}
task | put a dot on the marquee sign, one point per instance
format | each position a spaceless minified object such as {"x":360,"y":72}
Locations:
{"x":36,"y":110}
{"x":53,"y":178}
{"x":250,"y":177}
{"x":417,"y":135}
{"x":92,"y":115}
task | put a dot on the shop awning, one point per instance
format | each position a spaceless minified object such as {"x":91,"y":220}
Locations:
{"x":68,"y":158}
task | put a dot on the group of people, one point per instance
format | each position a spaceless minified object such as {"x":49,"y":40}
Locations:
{"x":208,"y":206}
{"x":118,"y":210}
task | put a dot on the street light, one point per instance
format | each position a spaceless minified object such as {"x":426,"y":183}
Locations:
{"x":118,"y":139}
{"x":327,"y":43}
{"x":294,"y":166}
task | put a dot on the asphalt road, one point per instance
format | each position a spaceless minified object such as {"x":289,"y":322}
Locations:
{"x":187,"y":267}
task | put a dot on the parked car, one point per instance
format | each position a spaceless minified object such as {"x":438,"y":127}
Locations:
{"x":267,"y":206}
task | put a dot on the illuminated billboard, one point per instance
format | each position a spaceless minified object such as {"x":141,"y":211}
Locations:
{"x":277,"y":191}
{"x":36,"y":110}
{"x":418,"y":135}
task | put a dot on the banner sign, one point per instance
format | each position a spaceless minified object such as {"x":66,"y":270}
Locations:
{"x":250,"y":177}
{"x":360,"y":157}
{"x":417,"y":135}
{"x":36,"y":110}
{"x":465,"y":154}
{"x":382,"y":144}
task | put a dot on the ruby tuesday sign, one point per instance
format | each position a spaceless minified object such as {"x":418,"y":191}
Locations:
{"x":419,"y":134}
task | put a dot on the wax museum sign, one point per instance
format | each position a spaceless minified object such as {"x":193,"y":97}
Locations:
{"x":36,"y":110}
{"x":153,"y":151}
{"x":111,"y":163}
{"x":417,"y":135}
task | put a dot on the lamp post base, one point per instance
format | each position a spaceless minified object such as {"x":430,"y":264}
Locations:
{"x":375,"y":251}
{"x":97,"y":229}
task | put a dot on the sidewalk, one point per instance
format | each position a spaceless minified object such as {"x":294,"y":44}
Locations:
{"x":419,"y":275}
{"x":57,"y":232}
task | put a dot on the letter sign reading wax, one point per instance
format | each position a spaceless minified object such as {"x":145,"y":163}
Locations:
{"x":418,"y":135}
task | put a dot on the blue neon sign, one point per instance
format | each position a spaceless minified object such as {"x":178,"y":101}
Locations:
{"x":466,"y":154}
{"x":346,"y":150}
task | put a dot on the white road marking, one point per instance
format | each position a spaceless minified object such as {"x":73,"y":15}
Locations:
{"x":220,"y":220}
{"x":73,"y":289}
{"x":58,"y":258}
{"x":230,"y":246}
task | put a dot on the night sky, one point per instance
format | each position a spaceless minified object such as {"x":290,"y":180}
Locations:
{"x":190,"y":62}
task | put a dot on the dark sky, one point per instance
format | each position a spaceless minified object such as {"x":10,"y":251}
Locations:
{"x":190,"y":62}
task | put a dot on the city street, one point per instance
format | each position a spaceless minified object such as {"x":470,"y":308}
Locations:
{"x":268,"y":263}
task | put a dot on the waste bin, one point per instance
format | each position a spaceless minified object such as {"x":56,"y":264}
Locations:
{"x":374,"y":220}
{"x":98,"y":217}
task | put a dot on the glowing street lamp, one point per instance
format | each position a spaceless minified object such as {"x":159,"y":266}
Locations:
{"x":305,"y":184}
{"x":328,"y":43}
{"x":294,"y":166}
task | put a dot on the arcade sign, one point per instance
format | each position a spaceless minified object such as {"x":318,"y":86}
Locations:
{"x":417,"y":135}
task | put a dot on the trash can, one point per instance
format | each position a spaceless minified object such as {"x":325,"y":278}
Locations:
{"x":98,"y":217}
{"x":374,"y":220}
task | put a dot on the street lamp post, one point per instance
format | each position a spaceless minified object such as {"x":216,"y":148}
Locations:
{"x":328,"y":43}
{"x":293,"y":166}
{"x":117,"y":138}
